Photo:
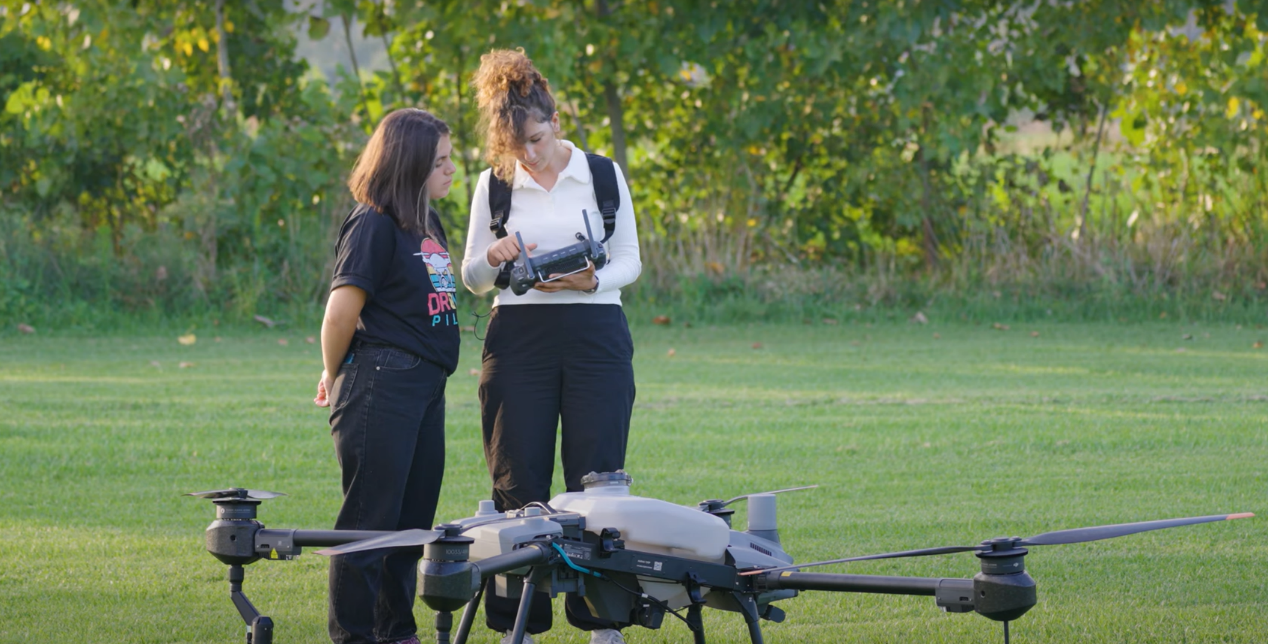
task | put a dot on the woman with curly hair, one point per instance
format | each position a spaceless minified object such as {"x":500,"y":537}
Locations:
{"x":560,"y":354}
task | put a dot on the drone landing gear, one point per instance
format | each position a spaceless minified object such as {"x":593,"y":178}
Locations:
{"x":261,"y":627}
{"x":748,"y":608}
{"x":444,"y":623}
{"x":696,"y":622}
{"x":468,"y":616}
{"x":526,"y":602}
{"x":1006,"y":632}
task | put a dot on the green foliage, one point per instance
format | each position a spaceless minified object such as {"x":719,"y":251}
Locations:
{"x":864,"y":138}
{"x":117,"y":131}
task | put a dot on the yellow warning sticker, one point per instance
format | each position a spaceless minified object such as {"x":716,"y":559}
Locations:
{"x":273,"y":554}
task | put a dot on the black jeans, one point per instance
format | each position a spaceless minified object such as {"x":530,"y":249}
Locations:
{"x":388,"y":423}
{"x":547,"y":365}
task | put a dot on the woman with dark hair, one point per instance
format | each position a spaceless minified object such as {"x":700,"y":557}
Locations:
{"x":390,"y":330}
{"x":560,"y":353}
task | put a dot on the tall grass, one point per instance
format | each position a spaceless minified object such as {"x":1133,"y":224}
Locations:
{"x":1165,"y":273}
{"x":1023,"y":250}
{"x":1140,"y":243}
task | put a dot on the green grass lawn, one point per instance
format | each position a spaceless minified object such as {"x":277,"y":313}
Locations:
{"x":918,"y":436}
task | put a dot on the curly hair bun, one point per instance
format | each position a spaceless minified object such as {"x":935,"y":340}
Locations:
{"x":509,"y":92}
{"x":504,"y":72}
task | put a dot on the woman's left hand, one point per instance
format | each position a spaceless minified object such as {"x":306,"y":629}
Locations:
{"x":323,"y":390}
{"x":579,"y":281}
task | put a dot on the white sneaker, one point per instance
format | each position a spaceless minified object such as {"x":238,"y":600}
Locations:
{"x":506,"y":639}
{"x":606,"y":636}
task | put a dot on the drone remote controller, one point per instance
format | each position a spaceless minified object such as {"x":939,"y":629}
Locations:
{"x":527,"y":271}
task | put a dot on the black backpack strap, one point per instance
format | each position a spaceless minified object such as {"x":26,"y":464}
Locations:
{"x":499,"y":212}
{"x":606,"y":193}
{"x":499,"y":205}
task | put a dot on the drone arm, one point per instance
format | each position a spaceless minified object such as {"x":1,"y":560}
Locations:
{"x":327,"y":538}
{"x":855,"y":583}
{"x":272,"y":543}
{"x":951,"y":595}
{"x":533,"y":554}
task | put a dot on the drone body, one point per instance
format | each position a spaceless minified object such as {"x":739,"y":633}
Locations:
{"x":633,"y":559}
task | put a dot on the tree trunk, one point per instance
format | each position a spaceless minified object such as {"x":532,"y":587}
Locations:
{"x":352,"y":54}
{"x":396,"y":75}
{"x":616,"y":115}
{"x":469,"y":178}
{"x":1087,"y":191}
{"x":222,"y":60}
{"x":387,"y":50}
{"x":611,"y":95}
{"x":209,"y":234}
{"x":929,"y":239}
{"x":581,"y":128}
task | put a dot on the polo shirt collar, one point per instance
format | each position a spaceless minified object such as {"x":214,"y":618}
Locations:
{"x":577,"y":168}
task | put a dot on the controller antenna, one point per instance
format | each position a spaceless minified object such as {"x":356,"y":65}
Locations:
{"x":528,"y":261}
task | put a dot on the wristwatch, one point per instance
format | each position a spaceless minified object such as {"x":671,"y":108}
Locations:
{"x":590,"y":291}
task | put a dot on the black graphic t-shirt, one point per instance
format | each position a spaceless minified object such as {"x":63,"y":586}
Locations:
{"x":408,"y":281}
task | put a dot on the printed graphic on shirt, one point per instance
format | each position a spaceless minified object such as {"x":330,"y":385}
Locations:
{"x":440,"y":305}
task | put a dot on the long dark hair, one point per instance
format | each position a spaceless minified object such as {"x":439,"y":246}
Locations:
{"x":391,"y":173}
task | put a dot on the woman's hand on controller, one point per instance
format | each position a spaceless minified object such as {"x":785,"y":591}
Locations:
{"x":504,"y":250}
{"x":579,"y":281}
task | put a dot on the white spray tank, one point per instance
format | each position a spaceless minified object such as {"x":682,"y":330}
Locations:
{"x":646,"y":525}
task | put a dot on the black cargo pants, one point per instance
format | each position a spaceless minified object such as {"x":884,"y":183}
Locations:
{"x":552,"y":369}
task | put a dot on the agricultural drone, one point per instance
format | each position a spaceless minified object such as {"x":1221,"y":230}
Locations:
{"x":634,"y":559}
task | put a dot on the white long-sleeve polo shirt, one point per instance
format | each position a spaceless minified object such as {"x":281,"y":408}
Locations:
{"x":551,"y":219}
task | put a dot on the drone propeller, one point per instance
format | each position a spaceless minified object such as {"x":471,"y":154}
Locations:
{"x":1080,"y":535}
{"x":236,"y":493}
{"x":1059,"y":537}
{"x":403,"y":539}
{"x":787,"y":489}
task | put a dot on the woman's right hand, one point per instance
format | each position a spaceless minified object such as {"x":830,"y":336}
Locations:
{"x":504,"y":250}
{"x":323,"y":390}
